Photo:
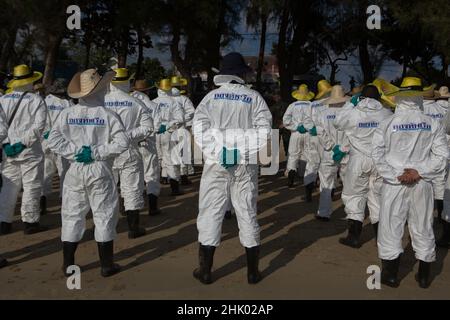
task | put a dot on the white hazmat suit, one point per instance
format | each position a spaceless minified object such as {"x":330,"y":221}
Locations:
{"x":232,"y":111}
{"x":408,"y":139}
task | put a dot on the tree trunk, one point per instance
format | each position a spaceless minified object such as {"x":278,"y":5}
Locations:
{"x":8,"y":49}
{"x":140,"y":58}
{"x":123,"y":50}
{"x":262,"y":49}
{"x":334,"y":68}
{"x":282,"y":54}
{"x":366,"y":64}
{"x":444,"y":72}
{"x":87,"y":57}
{"x":51,"y":58}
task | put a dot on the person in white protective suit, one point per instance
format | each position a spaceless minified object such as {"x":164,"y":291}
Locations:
{"x":149,"y":151}
{"x":23,"y":164}
{"x":52,"y":163}
{"x":231,"y":124}
{"x":170,"y":116}
{"x":323,"y":119}
{"x":294,"y":120}
{"x":410,"y":151}
{"x":127,"y":168}
{"x":435,"y":110}
{"x":184,"y":132}
{"x":3,"y":135}
{"x":444,"y":240}
{"x":313,"y":148}
{"x":362,"y":183}
{"x":90,"y":137}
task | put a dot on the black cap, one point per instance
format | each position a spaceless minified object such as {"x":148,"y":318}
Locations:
{"x":371,"y":91}
{"x":234,"y":64}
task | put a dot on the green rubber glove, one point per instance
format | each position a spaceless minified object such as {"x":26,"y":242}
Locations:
{"x":229,"y":158}
{"x":85,"y":156}
{"x":302,"y":129}
{"x":338,"y":155}
{"x":18,"y":147}
{"x":46,"y":134}
{"x":9,"y":150}
{"x":162,"y":129}
{"x":313,"y":132}
{"x":355,"y":99}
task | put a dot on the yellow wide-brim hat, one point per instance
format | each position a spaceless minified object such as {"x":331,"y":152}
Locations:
{"x":303,"y":93}
{"x":122,"y":75}
{"x":384,"y":86}
{"x":410,"y":87}
{"x":177,"y":81}
{"x":164,"y":85}
{"x":323,"y":88}
{"x":23,"y":75}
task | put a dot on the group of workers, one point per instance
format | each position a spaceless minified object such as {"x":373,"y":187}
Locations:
{"x":387,"y":144}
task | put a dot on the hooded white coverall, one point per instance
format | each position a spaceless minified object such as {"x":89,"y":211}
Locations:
{"x":313,"y":147}
{"x":148,"y":149}
{"x":138,"y":125}
{"x":184,"y":133}
{"x":53,"y":163}
{"x":235,"y":117}
{"x":362,"y":183}
{"x":169,"y":113}
{"x":25,"y":170}
{"x":89,"y":186}
{"x":328,"y":136}
{"x":408,"y":139}
{"x":295,"y":116}
{"x":437,"y":111}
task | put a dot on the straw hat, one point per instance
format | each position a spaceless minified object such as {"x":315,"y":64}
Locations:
{"x":410,"y":87}
{"x":164,"y":85}
{"x":121,"y":75}
{"x":443,"y":92}
{"x":141,"y":85}
{"x":178,"y":81}
{"x":87,"y":83}
{"x":383,"y":87}
{"x":303,"y":93}
{"x":323,"y":88}
{"x":337,"y":96}
{"x":23,"y":75}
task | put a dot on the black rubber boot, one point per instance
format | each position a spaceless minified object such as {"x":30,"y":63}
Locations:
{"x":389,"y":272}
{"x":375,"y":230}
{"x":423,"y":276}
{"x":69,"y":249}
{"x":205,"y":257}
{"x":175,"y":186}
{"x":5,"y":228}
{"x":291,"y":178}
{"x":164,"y":180}
{"x":43,"y":205}
{"x":309,"y":188}
{"x":122,"y":207}
{"x":354,"y":233}
{"x":439,"y":204}
{"x":153,"y":205}
{"x":253,"y":274}
{"x":185,"y":181}
{"x":228,"y":215}
{"x":3,"y":262}
{"x":105,"y":252}
{"x":32,"y":228}
{"x":444,"y":240}
{"x":135,"y":231}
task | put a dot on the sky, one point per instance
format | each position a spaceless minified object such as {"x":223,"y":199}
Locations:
{"x":249,"y":46}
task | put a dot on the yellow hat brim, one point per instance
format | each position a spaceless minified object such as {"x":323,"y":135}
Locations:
{"x":387,"y":101}
{"x":411,"y":93}
{"x":23,"y":82}
{"x":302,"y":97}
{"x":321,"y":94}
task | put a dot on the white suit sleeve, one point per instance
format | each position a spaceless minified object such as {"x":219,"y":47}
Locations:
{"x":437,"y":161}
{"x":388,"y":173}
{"x":59,"y":144}
{"x":288,"y":119}
{"x":189,"y":110}
{"x":3,"y":126}
{"x":118,"y":142}
{"x":447,"y":123}
{"x":145,"y":127}
{"x":36,"y":130}
{"x":204,"y":136}
{"x":177,"y":116}
{"x":308,"y":121}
